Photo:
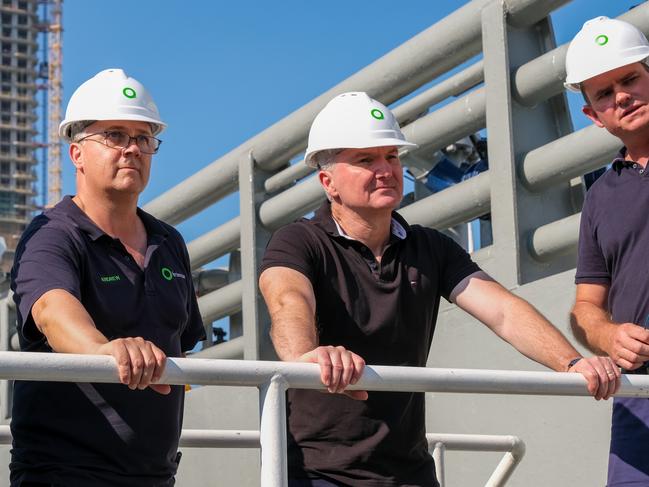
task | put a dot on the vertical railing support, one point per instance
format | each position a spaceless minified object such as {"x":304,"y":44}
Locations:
{"x":272,"y":433}
{"x":438,"y":455}
{"x":255,"y":317}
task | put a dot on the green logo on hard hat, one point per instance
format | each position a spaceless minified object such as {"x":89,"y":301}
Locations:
{"x":129,"y":92}
{"x":167,"y":273}
{"x":601,"y":40}
{"x":378,"y":114}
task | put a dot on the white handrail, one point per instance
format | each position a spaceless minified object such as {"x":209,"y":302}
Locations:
{"x":273,"y":378}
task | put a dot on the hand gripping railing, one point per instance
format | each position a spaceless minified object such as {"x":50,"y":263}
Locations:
{"x":273,"y":378}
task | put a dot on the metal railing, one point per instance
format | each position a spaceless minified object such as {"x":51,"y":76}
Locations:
{"x":274,"y":378}
{"x":438,"y":444}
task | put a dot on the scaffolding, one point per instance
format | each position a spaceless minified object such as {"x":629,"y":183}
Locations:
{"x":19,"y":24}
{"x":25,"y":72}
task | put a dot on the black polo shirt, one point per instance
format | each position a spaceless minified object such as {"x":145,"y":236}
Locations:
{"x":386,"y":313}
{"x":101,"y":434}
{"x":613,"y":244}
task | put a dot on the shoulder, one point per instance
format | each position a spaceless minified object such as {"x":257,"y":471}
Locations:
{"x":50,"y":230}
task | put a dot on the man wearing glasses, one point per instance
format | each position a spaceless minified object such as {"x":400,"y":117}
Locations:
{"x":97,"y":275}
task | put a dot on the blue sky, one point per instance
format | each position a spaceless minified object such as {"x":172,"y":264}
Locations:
{"x":221,"y":72}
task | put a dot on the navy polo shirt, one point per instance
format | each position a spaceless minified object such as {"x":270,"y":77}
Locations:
{"x":613,"y":244}
{"x":101,"y":434}
{"x":386,"y":313}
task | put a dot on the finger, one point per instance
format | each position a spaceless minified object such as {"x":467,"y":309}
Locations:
{"x":325,"y":366}
{"x":137,"y":363}
{"x":347,"y":371}
{"x":120,"y":353}
{"x":336,"y":368}
{"x":357,"y":395}
{"x":163,"y":389}
{"x":149,"y":363}
{"x":359,"y":367}
{"x":161,"y":362}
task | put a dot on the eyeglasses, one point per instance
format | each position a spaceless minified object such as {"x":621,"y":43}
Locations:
{"x":116,"y":139}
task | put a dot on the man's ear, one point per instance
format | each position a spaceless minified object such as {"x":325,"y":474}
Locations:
{"x":592,"y":114}
{"x":327,"y":183}
{"x":76,"y":156}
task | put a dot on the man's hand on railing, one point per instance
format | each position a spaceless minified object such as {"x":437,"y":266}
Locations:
{"x":339,"y":368}
{"x":139,"y":362}
{"x":602,"y":374}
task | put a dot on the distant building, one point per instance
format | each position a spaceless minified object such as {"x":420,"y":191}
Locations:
{"x":18,"y":102}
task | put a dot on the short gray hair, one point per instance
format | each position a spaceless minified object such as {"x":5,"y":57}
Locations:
{"x":75,"y":129}
{"x":324,"y":159}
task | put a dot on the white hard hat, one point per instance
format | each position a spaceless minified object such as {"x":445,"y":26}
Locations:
{"x":353,"y":121}
{"x":602,"y":45}
{"x":111,"y":95}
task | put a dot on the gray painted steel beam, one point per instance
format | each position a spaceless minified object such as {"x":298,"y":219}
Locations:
{"x":555,"y":239}
{"x":221,"y":303}
{"x":568,"y":157}
{"x":434,"y":51}
{"x":215,"y":243}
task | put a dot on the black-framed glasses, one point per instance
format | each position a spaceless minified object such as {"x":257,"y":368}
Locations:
{"x":117,"y":139}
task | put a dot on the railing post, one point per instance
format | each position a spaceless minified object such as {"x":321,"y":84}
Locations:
{"x":272,"y":433}
{"x":438,"y":456}
{"x":254,"y":238}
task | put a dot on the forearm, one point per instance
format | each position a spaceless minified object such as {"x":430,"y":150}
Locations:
{"x":534,"y":336}
{"x":592,"y":326}
{"x":66,"y":324}
{"x":292,"y":336}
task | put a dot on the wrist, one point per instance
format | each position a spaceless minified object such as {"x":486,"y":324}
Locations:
{"x":572,"y":363}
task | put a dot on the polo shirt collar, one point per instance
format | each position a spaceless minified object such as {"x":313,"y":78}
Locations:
{"x":85,"y":224}
{"x":323,"y":218}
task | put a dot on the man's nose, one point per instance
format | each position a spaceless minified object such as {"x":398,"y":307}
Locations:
{"x":132,"y":146}
{"x":622,"y":98}
{"x":382,"y":167}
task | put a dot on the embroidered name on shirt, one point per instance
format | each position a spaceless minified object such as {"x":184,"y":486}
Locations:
{"x":114,"y":278}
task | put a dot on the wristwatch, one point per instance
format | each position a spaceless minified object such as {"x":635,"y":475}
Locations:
{"x":572,"y":363}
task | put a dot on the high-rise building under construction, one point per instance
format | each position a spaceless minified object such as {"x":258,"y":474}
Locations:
{"x":28,"y":69}
{"x":18,"y":104}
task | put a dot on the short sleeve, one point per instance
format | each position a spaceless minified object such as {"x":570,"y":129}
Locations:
{"x":591,"y":264}
{"x":195,"y":330}
{"x":294,"y":247}
{"x":45,"y":259}
{"x":455,"y":264}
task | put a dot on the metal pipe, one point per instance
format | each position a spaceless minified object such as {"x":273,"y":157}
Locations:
{"x":448,"y":124}
{"x":452,"y":86}
{"x":464,"y":201}
{"x":568,"y":157}
{"x":221,"y":303}
{"x":434,"y":51}
{"x":291,"y":204}
{"x":272,"y":433}
{"x":287,"y":177}
{"x":554,"y":239}
{"x":215,"y":243}
{"x":196,"y":438}
{"x":60,"y":367}
{"x":232,"y":349}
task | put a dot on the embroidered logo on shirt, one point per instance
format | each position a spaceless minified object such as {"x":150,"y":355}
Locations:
{"x":168,"y":274}
{"x":113,"y":278}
